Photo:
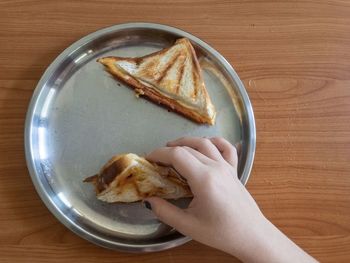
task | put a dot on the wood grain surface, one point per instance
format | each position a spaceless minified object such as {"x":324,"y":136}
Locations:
{"x":294,"y":59}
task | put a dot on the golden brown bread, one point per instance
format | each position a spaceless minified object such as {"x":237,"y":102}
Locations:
{"x":129,"y":178}
{"x":171,"y":77}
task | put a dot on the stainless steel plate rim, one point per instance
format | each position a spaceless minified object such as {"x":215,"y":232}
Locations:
{"x":40,"y":188}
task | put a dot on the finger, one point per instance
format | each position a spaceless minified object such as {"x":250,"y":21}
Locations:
{"x":202,"y":145}
{"x":183,"y":161}
{"x":228,"y":151}
{"x":200,"y":156}
{"x":170,"y":214}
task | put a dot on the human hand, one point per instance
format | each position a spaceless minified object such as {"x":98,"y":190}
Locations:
{"x":222,"y":213}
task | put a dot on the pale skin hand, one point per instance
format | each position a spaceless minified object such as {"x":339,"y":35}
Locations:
{"x":222,"y":213}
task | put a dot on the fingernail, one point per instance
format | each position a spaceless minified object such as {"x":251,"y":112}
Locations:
{"x":147,"y":205}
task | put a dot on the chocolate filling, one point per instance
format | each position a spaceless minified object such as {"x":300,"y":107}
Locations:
{"x":109,"y":173}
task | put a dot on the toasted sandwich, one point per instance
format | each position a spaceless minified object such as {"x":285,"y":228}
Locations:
{"x":129,"y":178}
{"x":171,"y":77}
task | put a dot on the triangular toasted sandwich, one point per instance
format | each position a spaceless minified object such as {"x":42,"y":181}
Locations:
{"x":171,"y":77}
{"x":130,"y":178}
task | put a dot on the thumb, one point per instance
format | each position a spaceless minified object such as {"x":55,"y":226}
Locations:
{"x":170,"y":214}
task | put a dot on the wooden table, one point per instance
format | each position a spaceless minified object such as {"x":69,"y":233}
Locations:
{"x":294,"y":59}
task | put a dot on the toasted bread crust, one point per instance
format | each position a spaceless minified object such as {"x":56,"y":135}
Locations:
{"x":153,"y":95}
{"x":156,"y":96}
{"x":125,"y":171}
{"x":118,"y":163}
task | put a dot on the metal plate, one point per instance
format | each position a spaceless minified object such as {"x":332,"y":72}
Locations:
{"x":80,"y":116}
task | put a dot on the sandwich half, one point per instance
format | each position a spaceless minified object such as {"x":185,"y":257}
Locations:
{"x":171,"y":77}
{"x":129,"y":178}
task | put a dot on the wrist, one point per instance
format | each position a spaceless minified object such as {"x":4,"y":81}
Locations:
{"x":266,"y":243}
{"x":253,"y":240}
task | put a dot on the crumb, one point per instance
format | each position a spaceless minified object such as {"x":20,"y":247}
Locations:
{"x":138,"y":92}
